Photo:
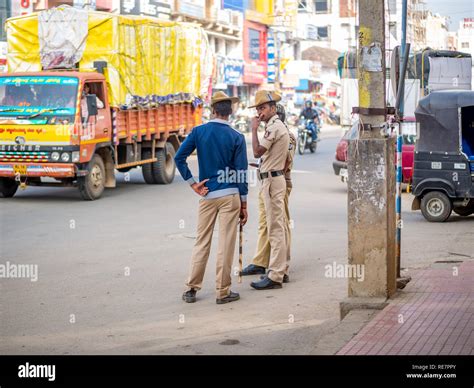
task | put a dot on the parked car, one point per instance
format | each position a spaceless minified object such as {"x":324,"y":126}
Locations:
{"x":340,"y":162}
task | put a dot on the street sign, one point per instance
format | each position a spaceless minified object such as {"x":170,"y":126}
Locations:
{"x":271,"y":60}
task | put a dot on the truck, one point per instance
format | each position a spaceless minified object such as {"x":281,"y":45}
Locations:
{"x":118,"y":93}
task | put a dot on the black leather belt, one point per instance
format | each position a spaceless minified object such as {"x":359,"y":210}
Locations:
{"x":264,"y":175}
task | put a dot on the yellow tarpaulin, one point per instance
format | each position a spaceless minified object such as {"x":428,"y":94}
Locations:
{"x":145,"y":56}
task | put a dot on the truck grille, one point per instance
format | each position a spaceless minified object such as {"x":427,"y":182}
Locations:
{"x":24,"y":156}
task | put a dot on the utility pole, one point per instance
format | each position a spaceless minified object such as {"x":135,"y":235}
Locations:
{"x":371,"y":170}
{"x":400,"y":105}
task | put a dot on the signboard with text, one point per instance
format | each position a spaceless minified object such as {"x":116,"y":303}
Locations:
{"x":285,"y":14}
{"x":230,"y":71}
{"x":156,"y":8}
{"x":21,"y":7}
{"x":468,"y":22}
{"x":271,"y":60}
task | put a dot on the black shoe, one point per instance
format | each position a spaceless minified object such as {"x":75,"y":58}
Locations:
{"x":253,"y":269}
{"x":286,"y":278}
{"x":190,"y":296}
{"x":265,"y":284}
{"x":232,"y":297}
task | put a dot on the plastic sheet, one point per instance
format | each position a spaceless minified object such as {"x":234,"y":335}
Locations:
{"x":149,"y":61}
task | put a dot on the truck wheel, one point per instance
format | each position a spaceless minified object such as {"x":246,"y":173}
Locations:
{"x":436,"y":206}
{"x":8,"y":187}
{"x":164,"y":168}
{"x":92,"y":185}
{"x":147,"y":169}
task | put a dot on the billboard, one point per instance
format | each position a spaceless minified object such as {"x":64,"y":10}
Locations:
{"x":285,"y":14}
{"x":271,"y":70}
{"x":21,"y":7}
{"x":230,"y":71}
{"x":157,"y":8}
{"x":235,"y":5}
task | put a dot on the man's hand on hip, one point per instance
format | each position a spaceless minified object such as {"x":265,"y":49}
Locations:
{"x":200,"y":188}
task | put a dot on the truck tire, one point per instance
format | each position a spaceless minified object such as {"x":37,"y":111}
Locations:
{"x":164,"y":168}
{"x":436,"y":206}
{"x":147,"y":169}
{"x":92,"y":185}
{"x":8,"y":187}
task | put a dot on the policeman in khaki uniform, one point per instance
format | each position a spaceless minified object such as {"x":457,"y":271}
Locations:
{"x":273,"y":150}
{"x":261,"y":259}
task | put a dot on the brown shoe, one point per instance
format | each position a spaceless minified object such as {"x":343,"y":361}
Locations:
{"x":286,"y":278}
{"x":232,"y":297}
{"x":190,"y":296}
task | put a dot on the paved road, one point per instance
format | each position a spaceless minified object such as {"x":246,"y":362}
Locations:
{"x":111,"y":272}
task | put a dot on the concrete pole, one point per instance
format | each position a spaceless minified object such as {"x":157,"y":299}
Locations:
{"x":371,"y":170}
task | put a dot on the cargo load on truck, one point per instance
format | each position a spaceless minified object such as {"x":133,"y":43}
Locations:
{"x":427,"y":70}
{"x":148,"y":61}
{"x":440,"y":70}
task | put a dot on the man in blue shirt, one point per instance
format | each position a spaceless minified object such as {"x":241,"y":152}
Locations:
{"x":222,"y":159}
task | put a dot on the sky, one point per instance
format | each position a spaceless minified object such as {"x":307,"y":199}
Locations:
{"x":455,"y":9}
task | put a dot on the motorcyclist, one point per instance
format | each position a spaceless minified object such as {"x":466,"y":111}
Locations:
{"x":309,"y":113}
{"x":242,"y":117}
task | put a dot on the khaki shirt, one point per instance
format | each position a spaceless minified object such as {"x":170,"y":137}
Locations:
{"x":276,"y":140}
{"x":290,"y":157}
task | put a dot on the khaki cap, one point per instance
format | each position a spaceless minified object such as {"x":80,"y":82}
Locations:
{"x":221,"y":96}
{"x":264,"y":96}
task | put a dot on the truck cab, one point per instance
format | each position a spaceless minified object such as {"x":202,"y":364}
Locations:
{"x":46,"y":129}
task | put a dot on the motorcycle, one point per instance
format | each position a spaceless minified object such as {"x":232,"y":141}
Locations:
{"x":241,"y":123}
{"x":305,"y":140}
{"x":292,"y":119}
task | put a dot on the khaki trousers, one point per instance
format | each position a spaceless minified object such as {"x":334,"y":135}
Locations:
{"x":262,"y":254}
{"x":227,"y":209}
{"x":273,"y":192}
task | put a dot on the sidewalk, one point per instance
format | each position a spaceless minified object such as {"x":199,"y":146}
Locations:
{"x":433,"y":315}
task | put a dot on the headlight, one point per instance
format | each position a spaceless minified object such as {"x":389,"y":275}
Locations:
{"x":75,"y":156}
{"x":65,"y":157}
{"x":55,"y":156}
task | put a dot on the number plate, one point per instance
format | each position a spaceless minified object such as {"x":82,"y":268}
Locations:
{"x":343,"y":173}
{"x":19,"y":169}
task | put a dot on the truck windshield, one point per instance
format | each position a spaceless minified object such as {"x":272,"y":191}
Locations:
{"x":43,"y":98}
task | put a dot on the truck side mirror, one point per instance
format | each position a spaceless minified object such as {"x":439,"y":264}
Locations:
{"x":92,"y":104}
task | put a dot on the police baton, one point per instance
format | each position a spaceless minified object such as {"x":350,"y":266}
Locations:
{"x":241,"y":229}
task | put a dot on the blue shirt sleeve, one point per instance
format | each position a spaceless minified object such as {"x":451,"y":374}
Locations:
{"x":186,"y":149}
{"x":241,"y":165}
